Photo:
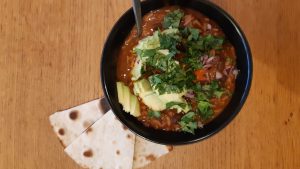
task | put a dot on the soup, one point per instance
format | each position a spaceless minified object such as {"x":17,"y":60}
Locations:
{"x":179,"y":74}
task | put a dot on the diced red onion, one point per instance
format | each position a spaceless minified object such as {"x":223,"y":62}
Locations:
{"x":207,"y":66}
{"x":207,"y":76}
{"x":204,"y":59}
{"x":235,"y":72}
{"x":199,"y":124}
{"x":225,"y":72}
{"x":187,"y":19}
{"x":219,"y":75}
{"x":190,"y":95}
{"x":209,"y":60}
{"x":208,"y":26}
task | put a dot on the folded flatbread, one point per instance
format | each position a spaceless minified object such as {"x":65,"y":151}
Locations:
{"x":69,"y":124}
{"x":144,"y":151}
{"x":107,"y":144}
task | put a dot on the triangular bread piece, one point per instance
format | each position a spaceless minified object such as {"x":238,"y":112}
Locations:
{"x":69,"y":124}
{"x":145,"y":152}
{"x":106,"y":144}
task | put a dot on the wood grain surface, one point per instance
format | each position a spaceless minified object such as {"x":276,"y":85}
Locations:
{"x":49,"y":60}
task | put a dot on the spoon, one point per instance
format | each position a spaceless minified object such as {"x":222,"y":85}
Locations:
{"x":136,"y":4}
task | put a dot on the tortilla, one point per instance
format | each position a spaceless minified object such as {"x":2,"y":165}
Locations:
{"x":145,"y":152}
{"x":69,"y":124}
{"x":107,"y":144}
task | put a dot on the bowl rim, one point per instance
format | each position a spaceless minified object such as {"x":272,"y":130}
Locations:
{"x":235,"y":112}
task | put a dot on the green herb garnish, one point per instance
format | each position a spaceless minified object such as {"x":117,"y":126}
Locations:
{"x":212,"y":42}
{"x":188,"y":123}
{"x":205,"y":109}
{"x":172,"y":19}
{"x":145,"y":52}
{"x":154,"y":114}
{"x":168,"y":41}
{"x":180,"y":104}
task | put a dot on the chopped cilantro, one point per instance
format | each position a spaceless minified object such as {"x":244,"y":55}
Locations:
{"x":202,"y":96}
{"x":213,"y":89}
{"x":167,"y":83}
{"x":188,"y":123}
{"x":162,"y":62}
{"x":200,"y":45}
{"x":191,"y":34}
{"x":158,"y":61}
{"x":172,"y":19}
{"x":218,"y":93}
{"x":205,"y":109}
{"x":168,"y":41}
{"x":180,"y":104}
{"x":154,"y":114}
{"x":194,"y":62}
{"x":194,"y":34}
{"x":212,"y":42}
{"x":145,"y":53}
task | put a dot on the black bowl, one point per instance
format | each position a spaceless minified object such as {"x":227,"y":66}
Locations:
{"x":244,"y":63}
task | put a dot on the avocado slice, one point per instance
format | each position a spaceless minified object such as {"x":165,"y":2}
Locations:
{"x":164,"y":52}
{"x":136,"y":71}
{"x":126,"y":97}
{"x":175,"y":97}
{"x":180,"y":109}
{"x":120,"y":92}
{"x":155,"y":101}
{"x":129,"y":101}
{"x":152,"y":100}
{"x":172,"y":97}
{"x":150,"y":42}
{"x":142,"y":86}
{"x":137,"y":111}
{"x":134,"y":106}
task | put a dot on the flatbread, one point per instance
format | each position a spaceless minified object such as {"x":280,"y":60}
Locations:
{"x":107,"y":144}
{"x":145,"y":152}
{"x":69,"y":124}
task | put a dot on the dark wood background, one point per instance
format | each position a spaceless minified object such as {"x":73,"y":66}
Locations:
{"x":49,"y":60}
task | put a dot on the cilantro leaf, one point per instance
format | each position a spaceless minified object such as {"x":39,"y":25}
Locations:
{"x":154,"y":114}
{"x":164,"y":84}
{"x":194,"y":34}
{"x":172,"y":19}
{"x":145,"y":53}
{"x":168,"y":41}
{"x":202,"y":96}
{"x":201,"y":45}
{"x":213,"y":89}
{"x":218,"y":93}
{"x":204,"y":93}
{"x":205,"y":109}
{"x":180,"y":104}
{"x":194,"y":62}
{"x":162,"y":62}
{"x":190,"y":33}
{"x":158,"y":61}
{"x":188,"y":122}
{"x":212,"y":42}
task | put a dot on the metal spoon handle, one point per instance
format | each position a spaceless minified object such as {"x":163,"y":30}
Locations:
{"x":138,"y":15}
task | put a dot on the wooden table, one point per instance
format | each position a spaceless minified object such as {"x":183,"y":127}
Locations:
{"x":49,"y":60}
